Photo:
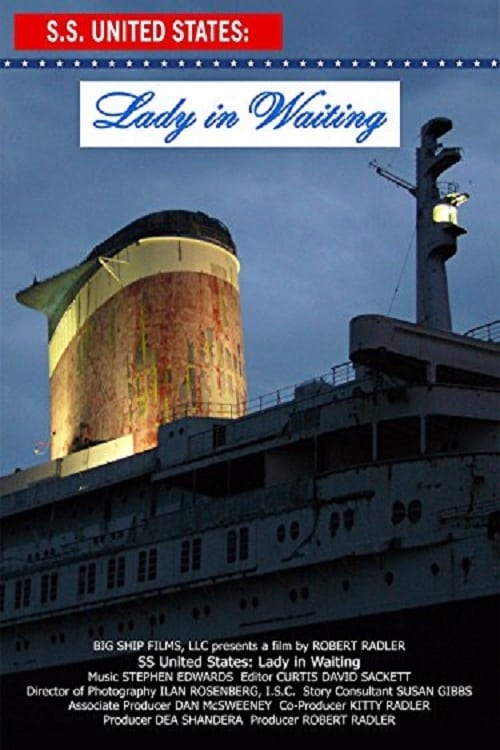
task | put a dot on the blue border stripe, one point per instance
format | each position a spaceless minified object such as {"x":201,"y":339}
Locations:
{"x":246,"y":63}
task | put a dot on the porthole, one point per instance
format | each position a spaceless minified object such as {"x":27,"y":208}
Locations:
{"x":243,"y":603}
{"x":281,"y":533}
{"x":348,"y":519}
{"x":121,"y":627}
{"x":389,"y":578}
{"x":255,"y":601}
{"x":293,"y":596}
{"x":130,"y":624}
{"x":196,"y":613}
{"x":466,"y":565}
{"x":346,"y":584}
{"x":26,"y":645}
{"x":18,"y":645}
{"x":62,"y":637}
{"x":161,"y":619}
{"x":434,"y":569}
{"x":414,"y":511}
{"x":206,"y":610}
{"x":53,"y":638}
{"x":152,"y":621}
{"x":100,"y":630}
{"x":304,"y":591}
{"x":398,"y":512}
{"x":334,"y":523}
{"x":294,"y":529}
{"x":91,"y":632}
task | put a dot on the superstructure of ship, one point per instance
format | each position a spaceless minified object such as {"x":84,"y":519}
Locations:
{"x":361,"y":502}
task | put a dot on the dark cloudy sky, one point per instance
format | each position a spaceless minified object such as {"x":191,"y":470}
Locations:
{"x":320,"y":237}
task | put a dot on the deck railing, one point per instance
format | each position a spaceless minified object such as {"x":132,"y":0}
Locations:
{"x":338,"y":375}
{"x":487,"y":332}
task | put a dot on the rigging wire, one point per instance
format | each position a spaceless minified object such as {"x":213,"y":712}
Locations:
{"x":403,"y":268}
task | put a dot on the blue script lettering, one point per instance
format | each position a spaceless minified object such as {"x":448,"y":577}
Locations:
{"x":272,"y":109}
{"x":125,"y":110}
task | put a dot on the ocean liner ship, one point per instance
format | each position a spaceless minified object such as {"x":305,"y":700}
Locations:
{"x":361,"y":503}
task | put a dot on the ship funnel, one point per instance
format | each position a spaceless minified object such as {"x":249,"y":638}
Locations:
{"x":145,"y":330}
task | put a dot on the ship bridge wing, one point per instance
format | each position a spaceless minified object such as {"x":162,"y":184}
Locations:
{"x":415,"y":352}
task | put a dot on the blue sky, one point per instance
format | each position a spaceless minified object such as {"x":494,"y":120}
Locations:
{"x":320,"y":237}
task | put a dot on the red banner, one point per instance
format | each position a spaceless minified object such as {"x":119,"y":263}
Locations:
{"x":148,"y":31}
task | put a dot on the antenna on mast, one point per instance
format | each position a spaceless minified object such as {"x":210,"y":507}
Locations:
{"x":399,"y":181}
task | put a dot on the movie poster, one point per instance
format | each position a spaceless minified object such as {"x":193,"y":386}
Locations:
{"x":247,"y":452}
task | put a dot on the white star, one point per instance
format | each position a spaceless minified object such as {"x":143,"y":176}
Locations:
{"x":338,"y":63}
{"x":25,"y":63}
{"x":424,"y":63}
{"x":442,"y":63}
{"x":164,"y":63}
{"x":234,"y":63}
{"x":199,"y":63}
{"x":59,"y":63}
{"x":303,"y":63}
{"x":477,"y":64}
{"x":389,"y":63}
{"x":494,"y":63}
{"x":460,"y":63}
{"x":145,"y":64}
{"x":268,"y":63}
{"x":181,"y":63}
{"x":216,"y":64}
{"x":111,"y":63}
{"x":76,"y":63}
{"x":94,"y":63}
{"x":7,"y":64}
{"x":285,"y":63}
{"x":129,"y":63}
{"x":372,"y":63}
{"x":250,"y":63}
{"x":355,"y":63}
{"x":407,"y":63}
{"x":320,"y":64}
{"x":42,"y":63}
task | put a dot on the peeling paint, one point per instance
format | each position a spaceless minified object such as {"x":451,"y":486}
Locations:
{"x":162,"y":347}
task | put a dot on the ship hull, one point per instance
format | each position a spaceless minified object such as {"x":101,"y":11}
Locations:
{"x":452,"y":644}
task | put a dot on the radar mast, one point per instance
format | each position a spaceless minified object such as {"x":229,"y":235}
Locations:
{"x":437,"y":222}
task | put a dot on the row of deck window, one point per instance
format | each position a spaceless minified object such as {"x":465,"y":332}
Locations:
{"x":23,"y":589}
{"x":237,"y":548}
{"x":147,"y":569}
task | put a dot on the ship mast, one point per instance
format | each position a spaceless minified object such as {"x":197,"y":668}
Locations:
{"x":437,"y":227}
